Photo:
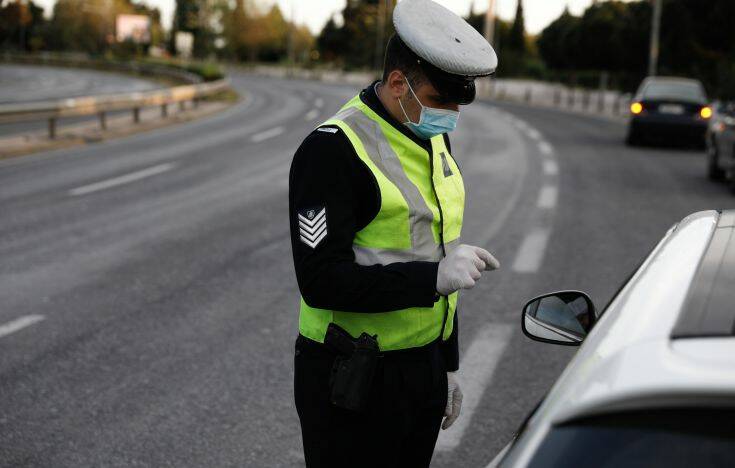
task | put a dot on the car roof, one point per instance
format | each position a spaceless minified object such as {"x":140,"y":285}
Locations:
{"x":636,"y":356}
{"x":708,"y":310}
{"x":671,"y":79}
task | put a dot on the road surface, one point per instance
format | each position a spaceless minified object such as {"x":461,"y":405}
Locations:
{"x":149,"y":305}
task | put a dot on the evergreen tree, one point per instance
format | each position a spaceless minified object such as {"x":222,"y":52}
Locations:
{"x":517,"y":39}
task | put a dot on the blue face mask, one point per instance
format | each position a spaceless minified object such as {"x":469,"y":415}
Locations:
{"x":432,"y":121}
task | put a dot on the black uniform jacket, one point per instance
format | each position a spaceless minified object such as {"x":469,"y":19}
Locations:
{"x":327,"y":174}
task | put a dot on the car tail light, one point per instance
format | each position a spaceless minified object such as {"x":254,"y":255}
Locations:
{"x":706,"y":112}
{"x":636,"y":108}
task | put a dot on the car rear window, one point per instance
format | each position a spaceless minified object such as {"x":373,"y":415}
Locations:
{"x":670,"y":438}
{"x":678,"y":91}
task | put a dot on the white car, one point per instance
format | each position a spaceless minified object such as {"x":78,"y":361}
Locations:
{"x":653,"y":383}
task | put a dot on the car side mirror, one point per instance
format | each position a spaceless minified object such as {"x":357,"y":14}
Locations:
{"x":562,"y":318}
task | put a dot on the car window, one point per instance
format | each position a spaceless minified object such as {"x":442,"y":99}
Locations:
{"x":555,"y":310}
{"x":672,"y":438}
{"x":686,"y":91}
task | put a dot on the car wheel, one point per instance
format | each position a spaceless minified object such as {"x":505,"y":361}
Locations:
{"x":714,"y":171}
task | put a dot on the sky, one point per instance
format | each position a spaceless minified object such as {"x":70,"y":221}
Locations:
{"x":314,"y":13}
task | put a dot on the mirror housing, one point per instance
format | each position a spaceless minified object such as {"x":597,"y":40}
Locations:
{"x":563,"y":317}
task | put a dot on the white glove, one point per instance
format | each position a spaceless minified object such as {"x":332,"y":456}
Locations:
{"x":461,"y":268}
{"x":454,"y":400}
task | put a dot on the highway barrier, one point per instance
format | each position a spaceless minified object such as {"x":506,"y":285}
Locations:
{"x":53,"y":110}
{"x":536,"y":93}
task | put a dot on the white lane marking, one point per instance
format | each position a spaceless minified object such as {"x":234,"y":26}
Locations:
{"x":545,"y":148}
{"x":19,"y":323}
{"x":531,"y":253}
{"x":311,"y":115}
{"x":319,"y":103}
{"x":124,"y":179}
{"x":551,"y":167}
{"x":477,"y":368}
{"x":533,"y":133}
{"x":262,"y":136}
{"x":547,"y":197}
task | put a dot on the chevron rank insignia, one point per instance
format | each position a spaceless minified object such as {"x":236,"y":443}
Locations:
{"x":313,"y":226}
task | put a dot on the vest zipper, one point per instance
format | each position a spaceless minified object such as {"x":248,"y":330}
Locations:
{"x":441,"y":235}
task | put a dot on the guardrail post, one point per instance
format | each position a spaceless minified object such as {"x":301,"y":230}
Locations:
{"x":600,"y":102}
{"x":570,"y":98}
{"x":585,"y":100}
{"x":136,"y":114}
{"x":527,"y":97}
{"x":182,"y":106}
{"x":195,"y":101}
{"x":52,"y":128}
{"x":103,"y":121}
{"x":164,"y":110}
{"x":557,"y":96}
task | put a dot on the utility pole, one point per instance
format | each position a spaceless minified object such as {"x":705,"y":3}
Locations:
{"x":655,"y":34}
{"x":490,"y":22}
{"x":292,"y":35}
{"x":380,"y":33}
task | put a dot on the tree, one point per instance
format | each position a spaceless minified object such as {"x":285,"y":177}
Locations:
{"x":194,"y":16}
{"x":21,"y":25}
{"x":517,"y":39}
{"x":354,"y":44}
{"x":613,"y":36}
{"x":331,"y":42}
{"x":557,"y":42}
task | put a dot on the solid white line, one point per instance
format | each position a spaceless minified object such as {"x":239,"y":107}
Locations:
{"x":262,"y":136}
{"x":19,"y":323}
{"x":531,"y":253}
{"x":124,"y":179}
{"x":533,"y":133}
{"x":547,"y":197}
{"x":319,"y":102}
{"x":311,"y":115}
{"x":546,"y":148}
{"x":477,"y":368}
{"x":551,"y":167}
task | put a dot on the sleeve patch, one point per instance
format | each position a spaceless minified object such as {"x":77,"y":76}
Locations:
{"x":313,"y":225}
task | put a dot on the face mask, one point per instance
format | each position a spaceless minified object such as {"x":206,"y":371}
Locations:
{"x":432,"y":121}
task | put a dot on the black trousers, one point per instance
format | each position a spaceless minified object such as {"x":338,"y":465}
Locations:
{"x":401,"y":425}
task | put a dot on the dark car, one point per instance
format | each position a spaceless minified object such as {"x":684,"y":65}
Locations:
{"x":669,"y":109}
{"x":721,"y":144}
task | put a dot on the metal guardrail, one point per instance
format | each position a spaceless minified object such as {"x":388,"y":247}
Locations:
{"x":101,"y":105}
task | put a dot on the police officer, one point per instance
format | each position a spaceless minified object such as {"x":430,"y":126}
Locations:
{"x":376,"y":205}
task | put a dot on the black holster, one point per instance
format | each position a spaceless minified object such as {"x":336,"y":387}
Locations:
{"x":354,"y":368}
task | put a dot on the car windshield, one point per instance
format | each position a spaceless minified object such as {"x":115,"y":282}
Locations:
{"x":670,"y":438}
{"x":673,"y":90}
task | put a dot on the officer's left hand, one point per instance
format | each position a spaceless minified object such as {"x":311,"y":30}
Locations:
{"x":454,"y":400}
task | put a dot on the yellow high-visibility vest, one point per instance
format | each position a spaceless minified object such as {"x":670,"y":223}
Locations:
{"x":420,"y":219}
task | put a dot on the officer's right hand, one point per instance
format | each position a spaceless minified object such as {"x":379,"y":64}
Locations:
{"x":462,"y":268}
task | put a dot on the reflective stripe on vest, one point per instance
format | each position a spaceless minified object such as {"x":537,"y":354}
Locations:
{"x":410,"y":226}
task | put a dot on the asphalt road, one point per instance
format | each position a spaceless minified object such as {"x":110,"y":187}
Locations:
{"x":149,"y":305}
{"x":28,"y":83}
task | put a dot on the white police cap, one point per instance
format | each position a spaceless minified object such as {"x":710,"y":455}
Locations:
{"x":443,"y":39}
